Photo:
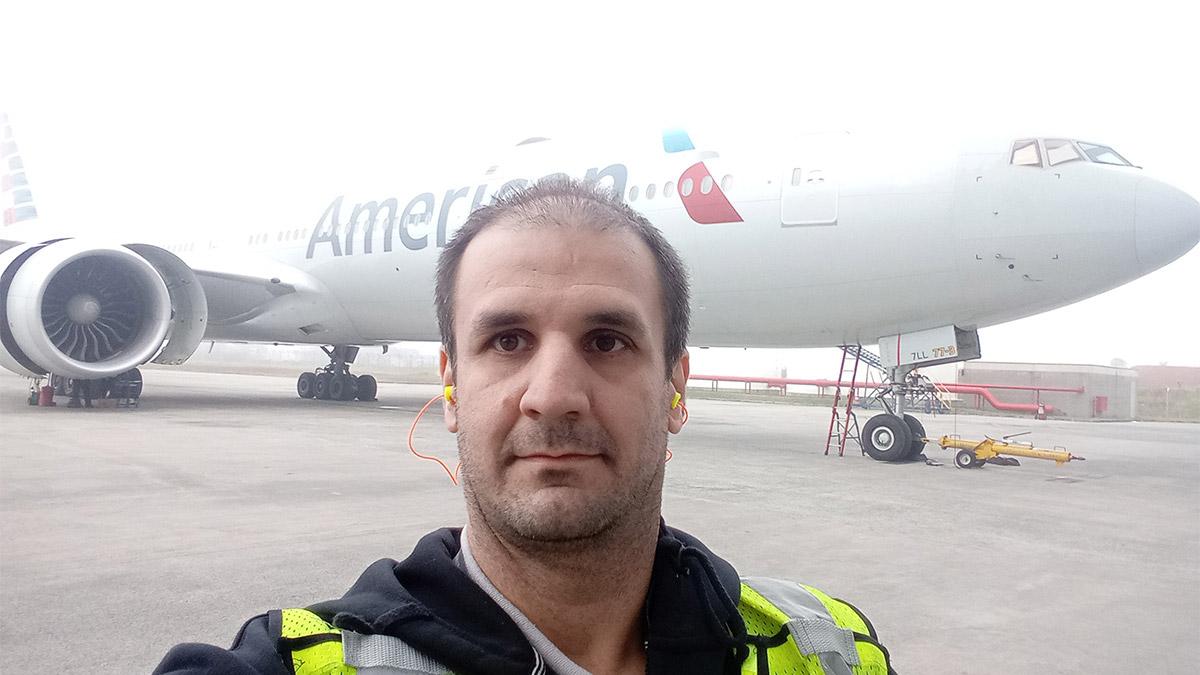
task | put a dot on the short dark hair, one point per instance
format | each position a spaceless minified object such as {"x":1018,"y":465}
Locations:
{"x":584,"y":202}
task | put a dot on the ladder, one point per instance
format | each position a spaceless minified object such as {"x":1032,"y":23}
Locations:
{"x":843,"y":423}
{"x":866,"y":355}
{"x":944,"y":399}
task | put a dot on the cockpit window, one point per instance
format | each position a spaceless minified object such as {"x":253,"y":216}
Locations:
{"x":1104,"y":154}
{"x":1026,"y":153}
{"x":1029,"y":152}
{"x":1059,"y":150}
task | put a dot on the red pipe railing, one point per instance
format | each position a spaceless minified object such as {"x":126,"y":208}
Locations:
{"x":981,"y":390}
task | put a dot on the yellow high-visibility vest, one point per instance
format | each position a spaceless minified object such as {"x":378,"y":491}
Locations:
{"x":793,"y":628}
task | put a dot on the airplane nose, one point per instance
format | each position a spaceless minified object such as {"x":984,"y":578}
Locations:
{"x":1166,"y":223}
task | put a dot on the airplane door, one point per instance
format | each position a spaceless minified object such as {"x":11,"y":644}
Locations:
{"x":809,"y":197}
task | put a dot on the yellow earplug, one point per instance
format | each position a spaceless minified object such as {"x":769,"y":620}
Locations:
{"x":675,"y":400}
{"x":449,"y":393}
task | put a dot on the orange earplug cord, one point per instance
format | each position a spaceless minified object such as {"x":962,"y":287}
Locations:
{"x":452,"y":474}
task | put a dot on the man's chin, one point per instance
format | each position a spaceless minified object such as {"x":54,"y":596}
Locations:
{"x":560,"y":515}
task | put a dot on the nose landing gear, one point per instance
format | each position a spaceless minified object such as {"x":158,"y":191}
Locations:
{"x":894,"y":436}
{"x":335,"y":381}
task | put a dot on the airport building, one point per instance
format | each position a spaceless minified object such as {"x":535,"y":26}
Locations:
{"x":1169,"y":393}
{"x":1082,"y":392}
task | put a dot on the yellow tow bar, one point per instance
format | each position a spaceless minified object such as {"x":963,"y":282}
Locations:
{"x":972,"y":454}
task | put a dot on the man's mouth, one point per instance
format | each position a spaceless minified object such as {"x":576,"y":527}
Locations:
{"x":558,"y":457}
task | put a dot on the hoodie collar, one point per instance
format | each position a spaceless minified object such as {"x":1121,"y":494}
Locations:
{"x":692,"y":623}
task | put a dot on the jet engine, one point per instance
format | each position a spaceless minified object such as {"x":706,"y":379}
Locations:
{"x":85,"y":310}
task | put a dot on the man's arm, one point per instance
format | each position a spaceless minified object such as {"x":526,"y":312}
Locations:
{"x":253,"y":653}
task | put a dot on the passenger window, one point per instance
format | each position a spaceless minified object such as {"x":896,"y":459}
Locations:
{"x":706,"y":184}
{"x":685,"y":187}
{"x":633,"y":193}
{"x":650,"y":189}
{"x":1026,"y":153}
{"x":795,"y":176}
{"x":726,"y":182}
{"x":669,"y":188}
{"x":1060,"y":150}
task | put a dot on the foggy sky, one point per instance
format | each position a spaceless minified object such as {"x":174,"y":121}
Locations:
{"x":190,"y":118}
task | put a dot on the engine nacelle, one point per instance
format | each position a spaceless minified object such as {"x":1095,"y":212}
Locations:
{"x":86,"y":310}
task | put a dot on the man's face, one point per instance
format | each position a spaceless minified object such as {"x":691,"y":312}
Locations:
{"x":563,"y":404}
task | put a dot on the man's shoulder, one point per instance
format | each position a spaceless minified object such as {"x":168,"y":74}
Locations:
{"x":253,"y":653}
{"x":816,"y":620}
{"x":377,"y":591}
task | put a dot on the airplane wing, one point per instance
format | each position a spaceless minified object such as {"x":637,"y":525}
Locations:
{"x":237,"y":288}
{"x":109,"y":307}
{"x":242,"y":288}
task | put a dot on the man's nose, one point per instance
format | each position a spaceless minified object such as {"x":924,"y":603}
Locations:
{"x":556,"y":386}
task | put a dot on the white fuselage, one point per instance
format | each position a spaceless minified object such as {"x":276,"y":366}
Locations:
{"x":840,"y":240}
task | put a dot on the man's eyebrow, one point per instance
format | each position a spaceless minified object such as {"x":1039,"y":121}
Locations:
{"x":495,"y":320}
{"x":618,"y":318}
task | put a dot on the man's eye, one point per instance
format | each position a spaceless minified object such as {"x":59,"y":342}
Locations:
{"x":509,"y":342}
{"x":608,"y":343}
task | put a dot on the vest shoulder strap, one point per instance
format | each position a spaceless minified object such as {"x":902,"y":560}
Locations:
{"x":314,"y":647}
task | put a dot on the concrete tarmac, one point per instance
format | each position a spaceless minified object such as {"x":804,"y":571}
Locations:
{"x":124,"y":532}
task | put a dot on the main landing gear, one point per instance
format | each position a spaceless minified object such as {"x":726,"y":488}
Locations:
{"x":335,"y":382}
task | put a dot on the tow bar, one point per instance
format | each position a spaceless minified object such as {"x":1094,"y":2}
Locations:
{"x":974,"y":454}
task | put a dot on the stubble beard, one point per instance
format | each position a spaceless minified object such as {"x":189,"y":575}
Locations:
{"x":562,"y":518}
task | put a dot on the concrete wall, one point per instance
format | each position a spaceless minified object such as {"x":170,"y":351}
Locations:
{"x":1119,"y":385}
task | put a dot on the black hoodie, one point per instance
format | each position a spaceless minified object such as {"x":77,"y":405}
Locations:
{"x":692,"y":624}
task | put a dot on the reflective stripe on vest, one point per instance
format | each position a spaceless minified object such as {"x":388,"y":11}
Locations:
{"x":386,"y":654}
{"x":318,"y":648}
{"x":824,"y":636}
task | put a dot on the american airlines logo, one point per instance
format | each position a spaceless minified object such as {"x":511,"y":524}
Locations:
{"x":702,"y":197}
{"x":375,"y":225}
{"x":12,"y":182}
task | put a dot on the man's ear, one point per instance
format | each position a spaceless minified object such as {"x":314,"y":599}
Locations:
{"x":679,"y":378}
{"x":449,"y":410}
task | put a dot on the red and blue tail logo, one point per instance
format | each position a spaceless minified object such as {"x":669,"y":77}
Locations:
{"x":701,"y":194}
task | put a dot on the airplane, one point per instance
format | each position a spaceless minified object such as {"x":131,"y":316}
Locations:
{"x":829,"y":239}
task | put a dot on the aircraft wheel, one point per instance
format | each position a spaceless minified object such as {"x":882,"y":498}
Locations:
{"x":886,"y":438}
{"x":367,"y":387}
{"x":341,"y":388}
{"x":965,"y":459}
{"x":917,"y":444}
{"x":306,"y":385}
{"x":321,"y":390}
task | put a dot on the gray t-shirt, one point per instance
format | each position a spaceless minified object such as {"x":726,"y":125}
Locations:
{"x":548,"y":655}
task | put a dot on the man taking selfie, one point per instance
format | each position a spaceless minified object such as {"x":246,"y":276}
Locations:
{"x":564,"y":324}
